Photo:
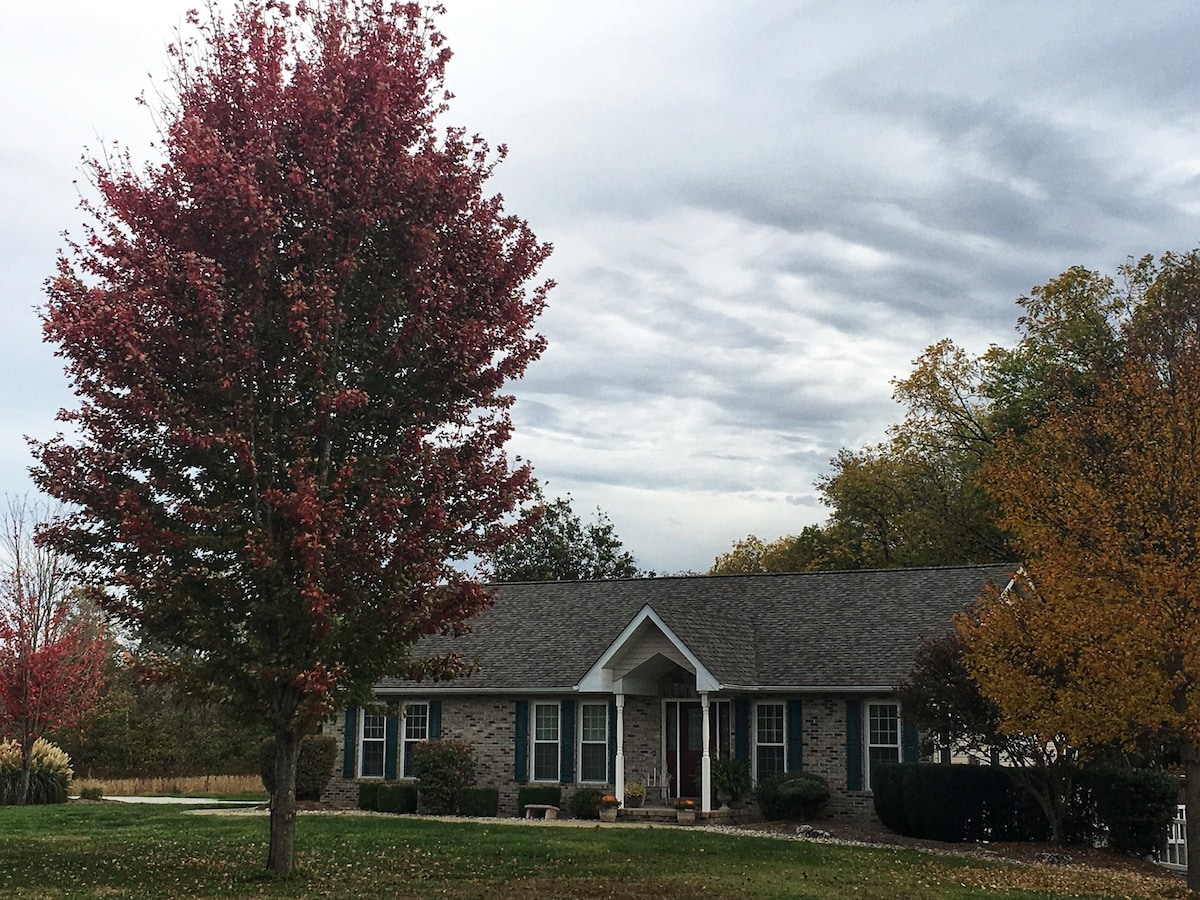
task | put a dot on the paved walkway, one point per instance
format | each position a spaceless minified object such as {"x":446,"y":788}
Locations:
{"x":191,"y":801}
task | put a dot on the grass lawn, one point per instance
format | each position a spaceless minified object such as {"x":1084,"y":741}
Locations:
{"x":117,"y":850}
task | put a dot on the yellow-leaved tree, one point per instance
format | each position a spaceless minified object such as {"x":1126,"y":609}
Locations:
{"x":1101,"y":493}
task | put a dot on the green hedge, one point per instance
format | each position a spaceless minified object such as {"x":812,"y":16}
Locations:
{"x":313,"y":770}
{"x":1134,"y":806}
{"x":799,"y":796}
{"x":542,"y":795}
{"x":479,"y":802}
{"x":387,"y":796}
{"x":955,"y":803}
{"x":585,"y":803}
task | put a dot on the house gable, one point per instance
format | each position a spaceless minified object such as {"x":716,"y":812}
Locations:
{"x":645,"y":650}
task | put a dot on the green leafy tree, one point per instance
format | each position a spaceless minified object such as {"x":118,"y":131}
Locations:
{"x":554,"y":544}
{"x":290,"y":340}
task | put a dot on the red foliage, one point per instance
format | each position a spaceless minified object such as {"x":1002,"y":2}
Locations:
{"x":51,"y":663}
{"x":290,"y":341}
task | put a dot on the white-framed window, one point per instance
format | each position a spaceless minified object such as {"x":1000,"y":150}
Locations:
{"x":416,"y":730}
{"x":546,"y":732}
{"x":372,"y":736}
{"x":882,"y":737}
{"x":593,"y":742}
{"x":770,"y":757}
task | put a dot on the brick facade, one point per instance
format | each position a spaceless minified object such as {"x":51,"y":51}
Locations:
{"x":488,"y":725}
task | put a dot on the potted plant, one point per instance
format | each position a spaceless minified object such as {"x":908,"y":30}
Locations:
{"x":730,"y":780}
{"x":608,"y":808}
{"x":635,"y":793}
{"x":685,"y":811}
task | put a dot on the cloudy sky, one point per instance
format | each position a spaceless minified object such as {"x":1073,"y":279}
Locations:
{"x":762,"y":212}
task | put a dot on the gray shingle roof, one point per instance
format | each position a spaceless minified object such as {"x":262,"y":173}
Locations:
{"x":821,"y":630}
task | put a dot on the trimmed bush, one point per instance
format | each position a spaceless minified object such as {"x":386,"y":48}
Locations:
{"x":584,"y":803}
{"x":1136,"y":806}
{"x":397,"y":798}
{"x":541,"y":795}
{"x":313,"y":770}
{"x":387,"y":796}
{"x":49,"y":773}
{"x":368,"y":795}
{"x":92,"y":792}
{"x":801,"y":795}
{"x":955,"y":803}
{"x":479,"y":802}
{"x":442,"y":769}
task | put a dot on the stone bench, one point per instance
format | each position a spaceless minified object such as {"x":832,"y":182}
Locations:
{"x":547,"y":811}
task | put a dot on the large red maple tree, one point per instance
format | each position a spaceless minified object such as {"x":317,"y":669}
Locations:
{"x":290,"y":339}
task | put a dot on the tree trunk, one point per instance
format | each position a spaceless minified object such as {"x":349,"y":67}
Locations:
{"x":281,"y":859}
{"x":23,"y":781}
{"x":1191,"y":800}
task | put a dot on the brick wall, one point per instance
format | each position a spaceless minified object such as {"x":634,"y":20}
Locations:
{"x":488,"y":725}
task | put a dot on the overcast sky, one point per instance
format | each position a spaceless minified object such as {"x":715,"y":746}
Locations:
{"x":762,"y":212}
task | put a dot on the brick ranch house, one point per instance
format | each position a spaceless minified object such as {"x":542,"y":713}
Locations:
{"x":597,"y":684}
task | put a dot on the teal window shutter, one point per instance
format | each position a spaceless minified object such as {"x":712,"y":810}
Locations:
{"x":566,"y":771}
{"x":391,"y":741}
{"x":612,"y":740}
{"x":795,"y":735}
{"x":741,"y":730}
{"x":909,"y":742}
{"x":854,"y":745}
{"x":435,"y":720}
{"x":349,"y":741}
{"x":521,"y":743}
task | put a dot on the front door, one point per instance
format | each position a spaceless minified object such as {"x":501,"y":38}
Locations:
{"x":684,"y":727}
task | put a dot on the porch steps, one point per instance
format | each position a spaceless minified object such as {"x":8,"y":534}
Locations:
{"x":665,"y":815}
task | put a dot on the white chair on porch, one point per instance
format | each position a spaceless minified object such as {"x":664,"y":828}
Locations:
{"x":656,"y":782}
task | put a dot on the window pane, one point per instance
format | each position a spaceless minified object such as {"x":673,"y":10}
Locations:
{"x":595,"y":722}
{"x":770,"y":761}
{"x":416,"y":722}
{"x":593,"y":764}
{"x":770,"y":723}
{"x":880,"y":755}
{"x":372,"y":759}
{"x":373,"y":727}
{"x":545,"y":722}
{"x":885,"y":724}
{"x":545,"y":762}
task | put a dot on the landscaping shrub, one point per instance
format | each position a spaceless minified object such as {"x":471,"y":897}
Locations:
{"x":1136,"y":806}
{"x":442,"y":769}
{"x":387,"y":796}
{"x":49,"y":773}
{"x":955,"y":803}
{"x":313,"y":770}
{"x":729,"y":777}
{"x":801,"y":795}
{"x":585,"y":803}
{"x":479,"y":802}
{"x":91,"y":792}
{"x":540,"y":795}
{"x":397,"y":798}
{"x":368,"y":795}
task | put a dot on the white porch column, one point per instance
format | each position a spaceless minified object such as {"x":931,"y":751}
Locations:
{"x":705,"y":761}
{"x":619,"y":777}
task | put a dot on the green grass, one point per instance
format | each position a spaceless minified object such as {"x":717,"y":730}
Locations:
{"x":115,"y":850}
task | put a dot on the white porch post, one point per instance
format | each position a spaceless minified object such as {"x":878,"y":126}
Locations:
{"x":705,"y":761}
{"x":619,"y":777}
